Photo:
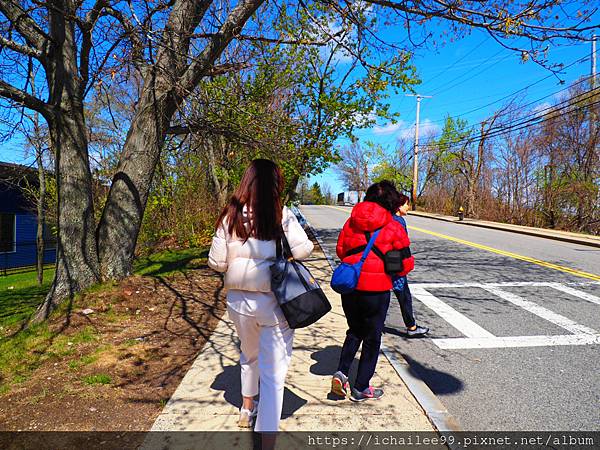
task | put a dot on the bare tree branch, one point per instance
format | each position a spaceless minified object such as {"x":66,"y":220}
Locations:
{"x":131,"y":33}
{"x":86,"y":45}
{"x":230,"y":29}
{"x":23,"y":98}
{"x":23,"y":49}
{"x":25,"y":25}
{"x":506,"y":25}
{"x":245,"y":37}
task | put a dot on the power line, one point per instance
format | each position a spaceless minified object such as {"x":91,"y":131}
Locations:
{"x":539,"y":113}
{"x":486,"y":61}
{"x":526,"y":121}
{"x":500,"y":132}
{"x":518,"y":125}
{"x":580,"y":60}
{"x":444,"y":71}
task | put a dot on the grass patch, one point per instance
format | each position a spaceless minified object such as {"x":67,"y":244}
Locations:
{"x":22,"y":353}
{"x":97,"y":379}
{"x":25,"y":278}
{"x":20,"y":295}
{"x":36,"y":398}
{"x":19,"y":354}
{"x":171,"y":261}
{"x":130,"y":343}
{"x":83,"y":361}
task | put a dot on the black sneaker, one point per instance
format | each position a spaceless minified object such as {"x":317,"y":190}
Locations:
{"x":417,"y":332}
{"x":369,"y":393}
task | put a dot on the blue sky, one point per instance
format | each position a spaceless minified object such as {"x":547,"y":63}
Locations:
{"x":466,"y":78}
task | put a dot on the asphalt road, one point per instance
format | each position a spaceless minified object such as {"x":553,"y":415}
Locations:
{"x":514,"y":343}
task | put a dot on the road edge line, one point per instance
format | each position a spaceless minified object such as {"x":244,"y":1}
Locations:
{"x":434,"y":409}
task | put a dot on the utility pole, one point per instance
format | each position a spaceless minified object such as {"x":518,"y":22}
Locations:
{"x":592,"y":87}
{"x":416,"y":151}
{"x":593,"y":61}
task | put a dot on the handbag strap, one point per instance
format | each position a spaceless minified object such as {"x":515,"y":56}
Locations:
{"x":278,"y":250}
{"x":369,"y":244}
{"x":282,"y":246}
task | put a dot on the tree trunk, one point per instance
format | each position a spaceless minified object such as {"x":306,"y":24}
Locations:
{"x":40,"y":217}
{"x":76,"y":256}
{"x":470,"y":209}
{"x":171,"y":78}
{"x":124,"y":209}
{"x":221,"y":185}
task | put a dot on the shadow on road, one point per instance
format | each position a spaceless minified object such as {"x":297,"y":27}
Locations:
{"x":440,"y":383}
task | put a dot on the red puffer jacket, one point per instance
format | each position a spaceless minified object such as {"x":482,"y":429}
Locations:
{"x":369,"y":216}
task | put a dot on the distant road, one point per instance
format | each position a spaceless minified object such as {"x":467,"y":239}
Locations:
{"x":515,"y":320}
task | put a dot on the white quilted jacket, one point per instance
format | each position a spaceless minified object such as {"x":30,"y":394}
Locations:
{"x":247,"y":263}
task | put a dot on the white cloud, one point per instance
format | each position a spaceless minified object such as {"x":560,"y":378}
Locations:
{"x":426,"y":127}
{"x":389,"y":128}
{"x":542,"y":108}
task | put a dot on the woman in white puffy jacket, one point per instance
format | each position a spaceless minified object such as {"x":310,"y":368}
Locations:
{"x":244,"y":248}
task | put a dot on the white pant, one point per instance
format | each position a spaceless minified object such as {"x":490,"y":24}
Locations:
{"x":266,"y":351}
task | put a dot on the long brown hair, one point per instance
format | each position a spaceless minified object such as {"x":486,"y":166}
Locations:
{"x":260,"y":191}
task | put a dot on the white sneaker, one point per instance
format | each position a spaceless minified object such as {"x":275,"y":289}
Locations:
{"x":248,"y":416}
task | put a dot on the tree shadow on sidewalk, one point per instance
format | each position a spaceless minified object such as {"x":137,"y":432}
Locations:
{"x":229,"y":381}
{"x":327,"y":360}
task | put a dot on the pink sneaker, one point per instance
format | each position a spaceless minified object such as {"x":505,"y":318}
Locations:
{"x":369,"y":393}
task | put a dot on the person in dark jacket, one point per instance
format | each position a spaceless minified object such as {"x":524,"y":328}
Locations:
{"x":366,"y":307}
{"x":400,"y":283}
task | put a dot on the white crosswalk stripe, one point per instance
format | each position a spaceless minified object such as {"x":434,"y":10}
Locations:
{"x":458,"y":320}
{"x":576,"y":293}
{"x":478,"y":337}
{"x":542,"y":312}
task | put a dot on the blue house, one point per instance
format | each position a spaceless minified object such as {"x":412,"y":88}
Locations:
{"x":18,"y":220}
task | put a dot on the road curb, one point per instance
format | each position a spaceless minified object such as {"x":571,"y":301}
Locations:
{"x":511,"y":229}
{"x":434,"y":409}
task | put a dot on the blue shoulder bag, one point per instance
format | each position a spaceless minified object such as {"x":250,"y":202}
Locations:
{"x":345,"y":276}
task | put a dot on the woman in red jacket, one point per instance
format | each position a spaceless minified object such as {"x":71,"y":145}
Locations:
{"x":367,"y":306}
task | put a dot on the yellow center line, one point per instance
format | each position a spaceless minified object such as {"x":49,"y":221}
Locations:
{"x":346,"y":210}
{"x":539,"y":262}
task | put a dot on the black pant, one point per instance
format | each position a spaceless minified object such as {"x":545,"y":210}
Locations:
{"x":365,"y":313}
{"x":405,"y":300}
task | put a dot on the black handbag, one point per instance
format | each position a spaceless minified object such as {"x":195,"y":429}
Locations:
{"x":299,"y":295}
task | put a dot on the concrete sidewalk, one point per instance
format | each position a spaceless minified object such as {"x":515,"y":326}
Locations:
{"x":566,"y":236}
{"x":209,"y":395}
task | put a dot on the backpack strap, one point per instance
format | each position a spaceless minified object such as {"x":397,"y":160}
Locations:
{"x":370,"y":244}
{"x":375,"y":249}
{"x":365,"y":249}
{"x":404,"y":252}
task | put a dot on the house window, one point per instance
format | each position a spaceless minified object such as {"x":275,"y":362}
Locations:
{"x":7,"y":233}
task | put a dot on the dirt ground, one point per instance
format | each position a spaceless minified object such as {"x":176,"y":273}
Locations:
{"x":121,"y":362}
